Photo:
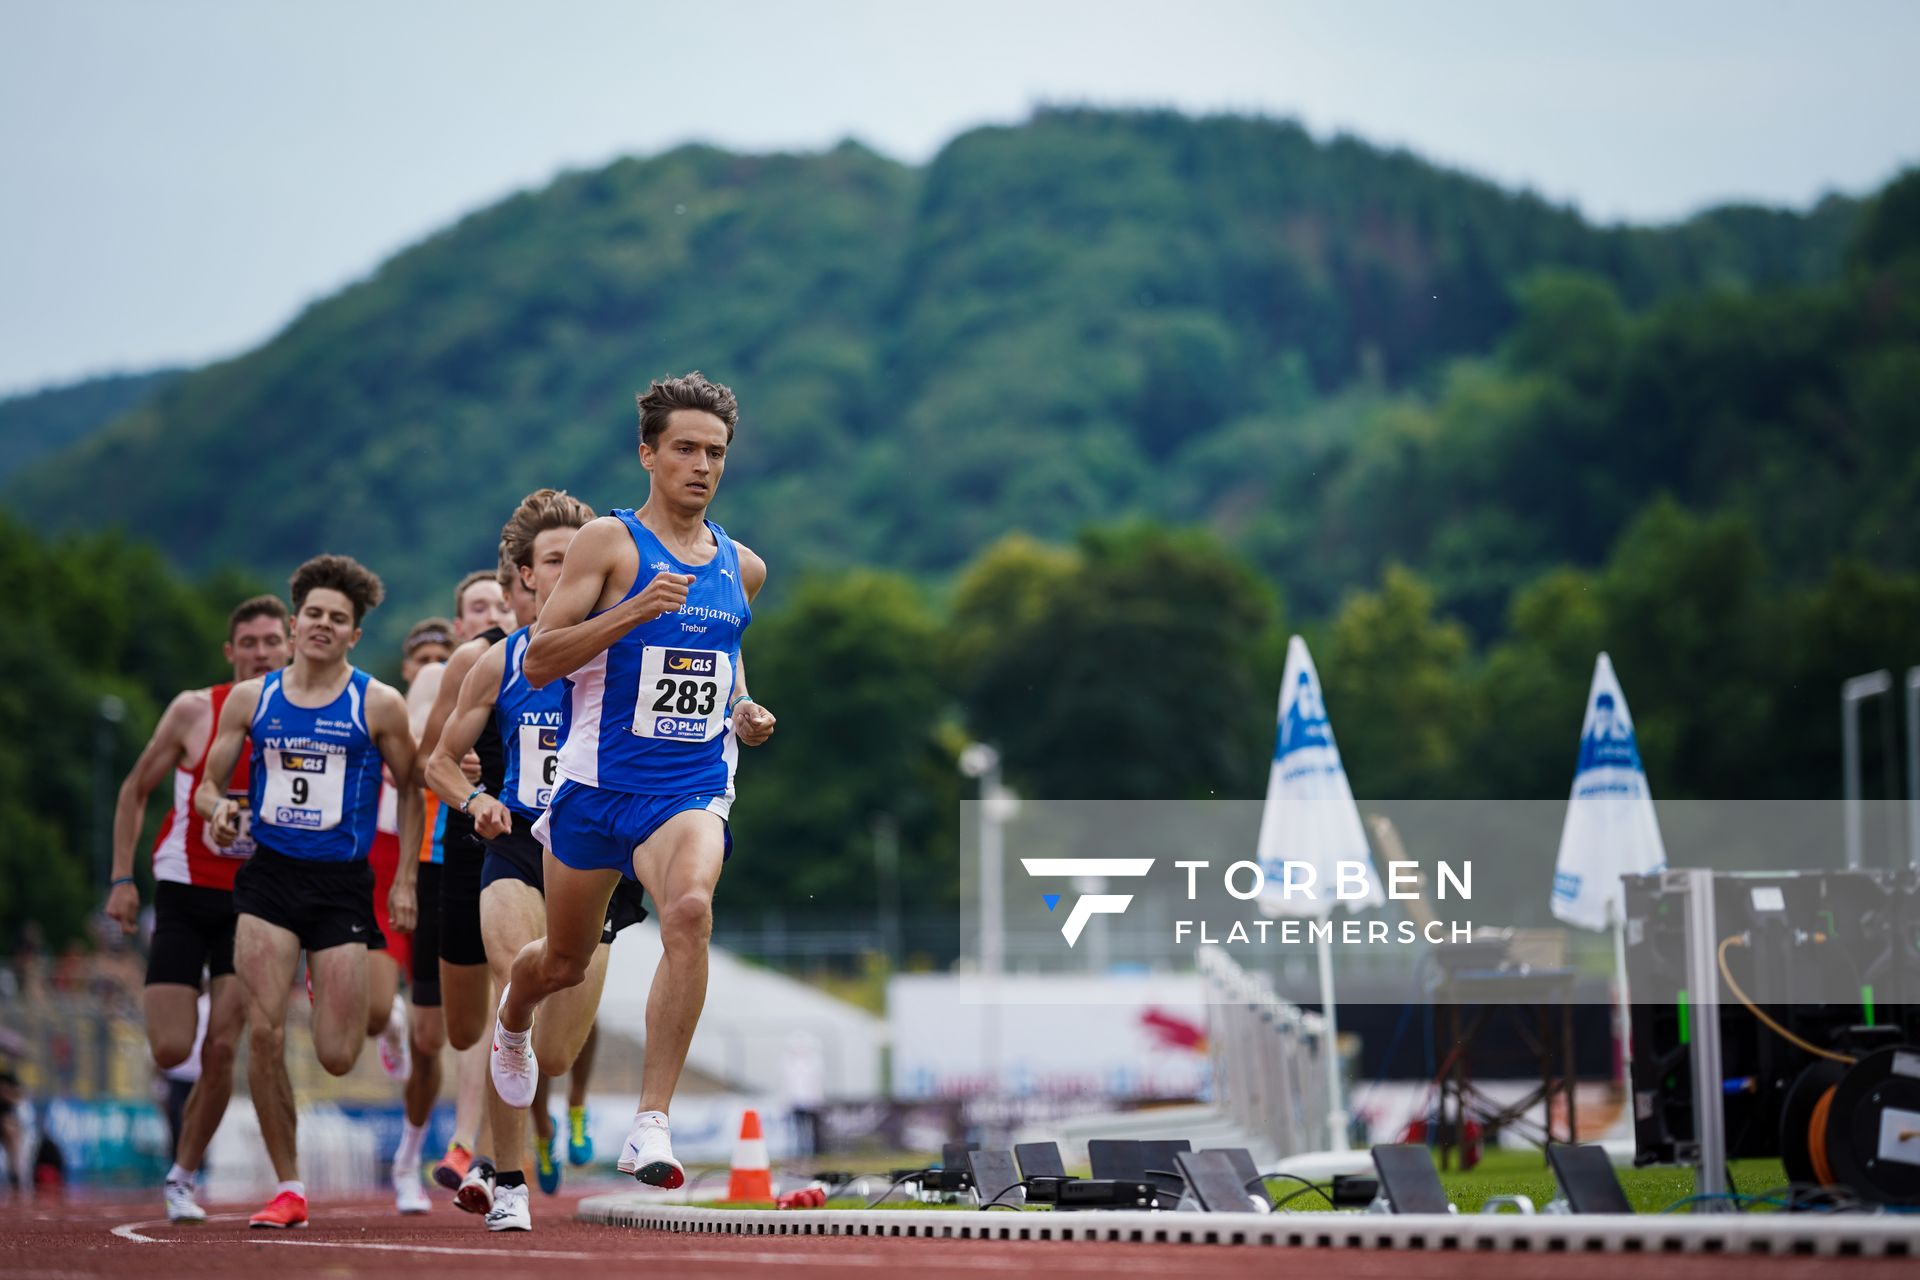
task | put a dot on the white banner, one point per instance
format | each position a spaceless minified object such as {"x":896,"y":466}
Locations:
{"x":1610,"y":829}
{"x":1310,"y":819}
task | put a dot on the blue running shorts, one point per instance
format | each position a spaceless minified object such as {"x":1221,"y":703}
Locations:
{"x":592,"y":829}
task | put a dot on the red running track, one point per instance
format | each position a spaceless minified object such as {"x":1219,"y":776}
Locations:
{"x":365,"y":1237}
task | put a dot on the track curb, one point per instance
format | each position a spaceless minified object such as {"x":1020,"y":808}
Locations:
{"x":1763,"y":1235}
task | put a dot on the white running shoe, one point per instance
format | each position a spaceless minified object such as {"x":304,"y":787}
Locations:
{"x":509,"y":1212}
{"x":396,"y":1049}
{"x":476,"y":1189}
{"x":180,"y":1203}
{"x":514,"y":1071}
{"x":648,"y":1153}
{"x":410,"y":1189}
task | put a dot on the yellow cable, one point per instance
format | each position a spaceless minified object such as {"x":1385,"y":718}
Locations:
{"x":1726,"y":975}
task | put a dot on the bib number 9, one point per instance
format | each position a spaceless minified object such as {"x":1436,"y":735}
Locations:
{"x":683,"y":694}
{"x":305,"y":789}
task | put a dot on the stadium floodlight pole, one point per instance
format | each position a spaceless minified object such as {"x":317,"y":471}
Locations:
{"x":1852,"y":694}
{"x":1913,"y":766}
{"x":981,"y":761}
{"x":886,"y":857}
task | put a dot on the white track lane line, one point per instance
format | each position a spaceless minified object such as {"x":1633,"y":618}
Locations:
{"x":131,"y":1230}
{"x":826,"y":1258}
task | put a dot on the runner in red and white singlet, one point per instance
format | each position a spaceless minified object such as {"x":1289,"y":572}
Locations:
{"x":193,"y":916}
{"x":182,"y":853}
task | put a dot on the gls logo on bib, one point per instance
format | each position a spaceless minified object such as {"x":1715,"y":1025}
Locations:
{"x":689,"y":662}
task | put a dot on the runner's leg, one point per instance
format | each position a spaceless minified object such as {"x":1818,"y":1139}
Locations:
{"x":582,"y":1076}
{"x":383,"y":983}
{"x":172,"y":1012}
{"x":512,"y":915}
{"x":576,"y":916}
{"x":207,"y":1104}
{"x":566,"y":1020}
{"x":265,"y":956}
{"x":339,"y":1005}
{"x":679,"y":864}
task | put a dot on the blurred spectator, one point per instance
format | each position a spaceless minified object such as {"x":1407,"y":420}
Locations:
{"x":29,"y":964}
{"x":13,"y":1140}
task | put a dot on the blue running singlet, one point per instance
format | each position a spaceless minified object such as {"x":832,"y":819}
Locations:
{"x":315,"y":782}
{"x":529,"y":723}
{"x":649,"y":715}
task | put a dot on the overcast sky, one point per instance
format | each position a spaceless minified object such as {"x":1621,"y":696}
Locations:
{"x":181,"y":176}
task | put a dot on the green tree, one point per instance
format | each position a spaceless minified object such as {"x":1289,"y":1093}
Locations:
{"x":849,"y":664}
{"x":1145,"y":672}
{"x":1532,"y":690}
{"x":1396,"y":691}
{"x":92,"y":618}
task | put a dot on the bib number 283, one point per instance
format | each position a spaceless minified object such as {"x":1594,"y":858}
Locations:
{"x":683,"y":694}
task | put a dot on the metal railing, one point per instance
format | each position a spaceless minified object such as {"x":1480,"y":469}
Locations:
{"x":1268,"y":1073}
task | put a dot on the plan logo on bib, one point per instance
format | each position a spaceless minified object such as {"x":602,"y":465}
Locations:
{"x":1088,"y":905}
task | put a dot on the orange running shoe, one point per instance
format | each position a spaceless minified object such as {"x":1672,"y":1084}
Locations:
{"x":284,"y":1210}
{"x":452,"y":1169}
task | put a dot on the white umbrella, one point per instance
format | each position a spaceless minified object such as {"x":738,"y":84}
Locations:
{"x":1310,"y":821}
{"x":1610,"y":830}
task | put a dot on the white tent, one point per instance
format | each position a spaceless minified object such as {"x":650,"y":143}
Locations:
{"x":1311,"y":822}
{"x":1610,"y":829}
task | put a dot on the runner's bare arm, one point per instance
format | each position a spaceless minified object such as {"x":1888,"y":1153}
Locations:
{"x":183,"y":726}
{"x":753,"y":571}
{"x":752,"y":723}
{"x":565,"y":638}
{"x":420,"y":696}
{"x":222,"y":815}
{"x":393,"y":735}
{"x":448,"y":694}
{"x":478,"y":693}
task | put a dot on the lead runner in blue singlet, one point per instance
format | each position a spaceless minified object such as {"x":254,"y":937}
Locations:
{"x":320,"y":731}
{"x":645,"y":625}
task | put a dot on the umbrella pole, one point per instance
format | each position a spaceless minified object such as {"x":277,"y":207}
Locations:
{"x":1624,"y":1013}
{"x":1336,"y":1099}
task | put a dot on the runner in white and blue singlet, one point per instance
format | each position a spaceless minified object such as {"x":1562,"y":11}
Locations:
{"x":649,"y":715}
{"x":321,"y":730}
{"x":645,"y":624}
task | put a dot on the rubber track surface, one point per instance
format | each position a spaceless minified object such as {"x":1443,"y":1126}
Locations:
{"x":367,"y":1238}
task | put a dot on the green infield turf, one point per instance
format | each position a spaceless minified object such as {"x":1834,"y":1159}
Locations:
{"x":1499,"y":1173}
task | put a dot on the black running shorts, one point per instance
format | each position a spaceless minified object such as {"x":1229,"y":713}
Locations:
{"x":324,"y":904}
{"x":192,"y":932}
{"x":518,"y":856}
{"x":460,"y":941}
{"x":426,"y":938}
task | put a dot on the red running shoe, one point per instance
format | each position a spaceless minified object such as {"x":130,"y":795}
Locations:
{"x":284,"y":1210}
{"x":453,"y":1166}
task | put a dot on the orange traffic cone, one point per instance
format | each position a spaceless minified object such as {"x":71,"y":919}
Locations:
{"x":752,"y":1178}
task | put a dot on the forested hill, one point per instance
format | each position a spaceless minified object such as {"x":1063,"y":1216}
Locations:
{"x":44,"y":422}
{"x":1086,"y":316}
